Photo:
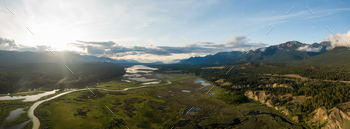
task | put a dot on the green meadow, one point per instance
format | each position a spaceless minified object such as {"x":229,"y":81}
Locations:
{"x":158,"y":106}
{"x":9,"y":105}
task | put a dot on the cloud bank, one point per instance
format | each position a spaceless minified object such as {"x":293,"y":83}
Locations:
{"x":237,"y":43}
{"x":10,"y":45}
{"x":114,"y":50}
{"x":309,"y":49}
{"x":338,"y":39}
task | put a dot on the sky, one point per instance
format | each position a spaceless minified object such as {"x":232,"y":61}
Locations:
{"x":167,"y":30}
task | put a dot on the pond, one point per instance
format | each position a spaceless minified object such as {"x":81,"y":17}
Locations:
{"x":14,"y":115}
{"x":204,"y":84}
{"x":136,"y":73}
{"x":186,"y":91}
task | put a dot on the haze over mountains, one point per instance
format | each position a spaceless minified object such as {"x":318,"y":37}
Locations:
{"x":58,"y":57}
{"x":289,"y":52}
{"x":284,"y":52}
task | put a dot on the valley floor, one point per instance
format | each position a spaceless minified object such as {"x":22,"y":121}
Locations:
{"x":181,"y":104}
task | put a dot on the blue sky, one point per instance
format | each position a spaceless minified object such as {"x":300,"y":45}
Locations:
{"x":164,"y":30}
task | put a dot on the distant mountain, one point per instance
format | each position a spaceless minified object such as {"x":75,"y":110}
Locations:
{"x":58,"y":57}
{"x":218,"y":58}
{"x":157,"y":62}
{"x":284,"y":52}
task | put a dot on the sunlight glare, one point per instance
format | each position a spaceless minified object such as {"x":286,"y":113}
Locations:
{"x":55,"y":37}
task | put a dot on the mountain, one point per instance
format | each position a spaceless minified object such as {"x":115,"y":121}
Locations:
{"x":58,"y":57}
{"x":218,"y":58}
{"x":284,"y":52}
{"x":339,"y":56}
{"x":157,"y":62}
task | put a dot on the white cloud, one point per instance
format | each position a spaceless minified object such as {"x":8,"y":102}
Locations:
{"x":338,"y":39}
{"x":163,"y":53}
{"x":263,"y":49}
{"x":164,"y":24}
{"x":242,"y":43}
{"x":146,"y":52}
{"x":11,"y":45}
{"x":309,"y":49}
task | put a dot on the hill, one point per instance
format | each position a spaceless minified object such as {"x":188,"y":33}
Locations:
{"x":339,"y":56}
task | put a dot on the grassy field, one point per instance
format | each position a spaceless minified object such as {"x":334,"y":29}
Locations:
{"x":7,"y":106}
{"x":156,"y":106}
{"x":24,"y":117}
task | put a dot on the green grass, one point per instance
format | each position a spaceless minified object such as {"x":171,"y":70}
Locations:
{"x":334,"y":58}
{"x":142,"y":108}
{"x":117,"y":85}
{"x":9,"y":105}
{"x":173,"y":71}
{"x":24,"y":117}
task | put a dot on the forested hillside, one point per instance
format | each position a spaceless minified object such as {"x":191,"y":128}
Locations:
{"x":339,"y":56}
{"x":297,"y":91}
{"x":15,"y":57}
{"x":49,"y":76}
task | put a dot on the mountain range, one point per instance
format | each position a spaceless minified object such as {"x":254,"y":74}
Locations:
{"x":290,"y":51}
{"x":10,"y":57}
{"x":293,"y":52}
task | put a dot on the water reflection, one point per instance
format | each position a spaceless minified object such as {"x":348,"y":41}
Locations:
{"x":141,"y":79}
{"x":14,"y":115}
{"x":137,"y":72}
{"x":28,"y":97}
{"x":204,"y":84}
{"x":187,"y":91}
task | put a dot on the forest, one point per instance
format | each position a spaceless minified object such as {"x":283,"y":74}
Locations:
{"x":49,"y":76}
{"x":324,"y":84}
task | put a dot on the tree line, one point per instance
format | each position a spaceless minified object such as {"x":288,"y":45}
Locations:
{"x":52,"y":76}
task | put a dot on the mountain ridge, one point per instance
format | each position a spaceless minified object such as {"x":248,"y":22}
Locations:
{"x":54,"y":57}
{"x":281,"y":53}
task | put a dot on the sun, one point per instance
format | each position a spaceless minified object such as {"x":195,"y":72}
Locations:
{"x":56,"y":37}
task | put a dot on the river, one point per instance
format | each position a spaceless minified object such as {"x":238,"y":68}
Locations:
{"x":28,"y":98}
{"x":130,"y":75}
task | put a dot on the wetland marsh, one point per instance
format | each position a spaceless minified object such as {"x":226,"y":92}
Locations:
{"x":176,"y":100}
